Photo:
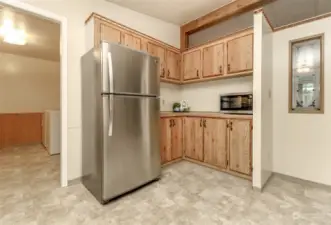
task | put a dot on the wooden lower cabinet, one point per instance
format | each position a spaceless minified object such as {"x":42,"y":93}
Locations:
{"x":193,"y":138}
{"x":224,"y":144}
{"x":240,"y":155}
{"x":177,"y":138}
{"x":171,"y":139}
{"x":165,"y":140}
{"x":215,"y":142}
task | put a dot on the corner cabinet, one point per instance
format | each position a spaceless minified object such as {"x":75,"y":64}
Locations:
{"x":171,"y":139}
{"x":192,"y":65}
{"x":193,"y":138}
{"x":99,"y":28}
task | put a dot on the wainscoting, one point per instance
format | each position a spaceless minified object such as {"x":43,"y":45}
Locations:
{"x":20,"y":129}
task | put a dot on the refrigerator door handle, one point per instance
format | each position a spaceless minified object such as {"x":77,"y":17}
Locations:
{"x":110,"y":73}
{"x":111,"y":116}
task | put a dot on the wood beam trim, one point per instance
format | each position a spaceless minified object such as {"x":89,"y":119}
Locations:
{"x":231,"y":9}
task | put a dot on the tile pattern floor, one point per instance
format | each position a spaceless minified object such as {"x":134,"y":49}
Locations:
{"x":186,"y":194}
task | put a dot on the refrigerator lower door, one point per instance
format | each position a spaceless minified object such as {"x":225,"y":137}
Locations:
{"x":131,"y":143}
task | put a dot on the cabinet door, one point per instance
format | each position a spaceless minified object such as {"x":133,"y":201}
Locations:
{"x":240,"y":146}
{"x":177,"y":138}
{"x":110,"y":34}
{"x":158,"y":51}
{"x":165,"y":140}
{"x":192,"y":65}
{"x":213,"y":58}
{"x":193,"y":138}
{"x":240,"y":54}
{"x":131,"y":41}
{"x":173,"y":65}
{"x":214,"y":142}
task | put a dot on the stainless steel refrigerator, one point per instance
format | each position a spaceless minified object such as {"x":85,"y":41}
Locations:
{"x":120,"y":120}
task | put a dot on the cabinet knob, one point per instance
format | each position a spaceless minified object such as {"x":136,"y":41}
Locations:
{"x":197,"y":73}
{"x":205,"y":123}
{"x":229,"y":68}
{"x":221,"y":69}
{"x":170,"y":125}
{"x":163,"y":72}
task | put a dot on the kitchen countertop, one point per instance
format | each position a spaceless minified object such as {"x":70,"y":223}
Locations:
{"x":206,"y":114}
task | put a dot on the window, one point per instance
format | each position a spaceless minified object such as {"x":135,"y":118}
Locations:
{"x":306,"y":81}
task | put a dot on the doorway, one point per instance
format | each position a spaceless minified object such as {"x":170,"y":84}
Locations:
{"x":62,"y":60}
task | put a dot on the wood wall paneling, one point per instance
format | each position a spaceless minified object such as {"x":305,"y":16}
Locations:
{"x":20,"y":129}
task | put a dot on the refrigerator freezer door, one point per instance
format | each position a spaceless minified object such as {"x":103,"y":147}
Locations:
{"x":131,"y":153}
{"x":129,"y":71}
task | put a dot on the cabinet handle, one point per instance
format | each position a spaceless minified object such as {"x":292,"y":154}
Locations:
{"x":229,"y":67}
{"x":221,"y":69}
{"x":163,"y":72}
{"x":197,"y":73}
{"x":170,"y":123}
{"x":168,"y":73}
{"x":173,"y":123}
{"x":200,"y":122}
{"x":204,"y":123}
{"x":231,"y":126}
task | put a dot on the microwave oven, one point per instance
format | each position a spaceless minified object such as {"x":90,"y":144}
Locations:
{"x":240,"y":103}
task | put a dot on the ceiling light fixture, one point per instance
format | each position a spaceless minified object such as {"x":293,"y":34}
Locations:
{"x":12,"y":35}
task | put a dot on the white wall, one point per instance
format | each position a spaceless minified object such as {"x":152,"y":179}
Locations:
{"x":302,"y":143}
{"x":28,"y":84}
{"x":170,"y":93}
{"x":206,"y":96}
{"x":77,"y":11}
{"x":262,"y":117}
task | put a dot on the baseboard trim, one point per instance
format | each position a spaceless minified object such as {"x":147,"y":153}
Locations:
{"x":75,"y":181}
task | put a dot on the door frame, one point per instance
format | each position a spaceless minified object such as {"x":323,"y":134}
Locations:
{"x":62,"y":21}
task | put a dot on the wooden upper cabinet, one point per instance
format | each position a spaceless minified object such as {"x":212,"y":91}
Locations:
{"x":177,"y":138}
{"x":240,"y":54}
{"x":131,"y":41}
{"x":109,"y":33}
{"x":213,"y":60}
{"x":158,"y":51}
{"x":240,"y":155}
{"x":192,"y":65}
{"x":165,"y":147}
{"x":215,"y":142}
{"x":173,"y":65}
{"x":193,"y":138}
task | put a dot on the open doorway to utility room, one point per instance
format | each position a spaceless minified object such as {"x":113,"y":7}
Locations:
{"x":30,"y":125}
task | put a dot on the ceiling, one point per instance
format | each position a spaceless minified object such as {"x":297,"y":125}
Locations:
{"x":283,"y":12}
{"x":43,"y":36}
{"x":280,"y":12}
{"x":173,"y":11}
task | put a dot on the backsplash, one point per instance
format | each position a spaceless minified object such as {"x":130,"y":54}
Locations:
{"x":170,"y":93}
{"x":205,"y":96}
